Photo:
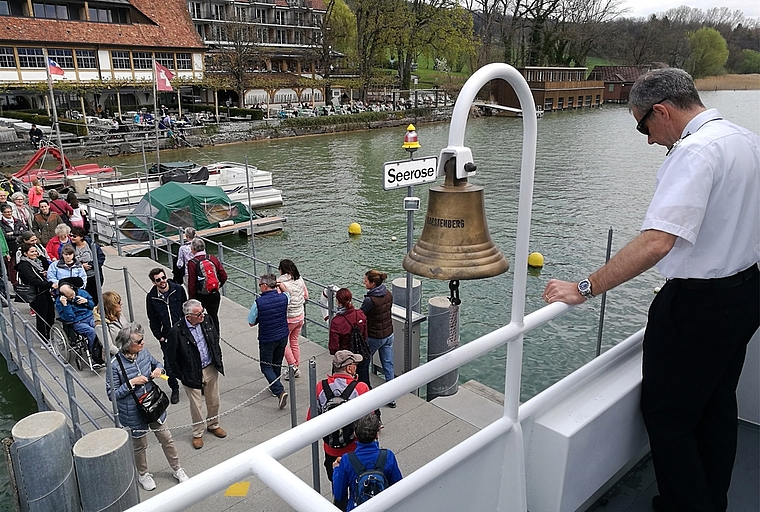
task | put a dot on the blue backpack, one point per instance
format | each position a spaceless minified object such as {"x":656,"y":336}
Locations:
{"x":370,"y":480}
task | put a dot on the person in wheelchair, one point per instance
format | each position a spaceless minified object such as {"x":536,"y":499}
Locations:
{"x":74,"y":307}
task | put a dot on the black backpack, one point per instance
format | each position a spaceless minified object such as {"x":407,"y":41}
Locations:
{"x":344,"y":435}
{"x":358,"y":343}
{"x":370,"y":480}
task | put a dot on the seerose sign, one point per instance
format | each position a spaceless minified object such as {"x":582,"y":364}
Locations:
{"x":410,"y":172}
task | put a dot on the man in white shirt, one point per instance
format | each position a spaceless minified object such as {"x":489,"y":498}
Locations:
{"x":702,"y":230}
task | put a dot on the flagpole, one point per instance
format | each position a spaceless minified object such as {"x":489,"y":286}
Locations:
{"x":155,"y":112}
{"x":55,"y":114}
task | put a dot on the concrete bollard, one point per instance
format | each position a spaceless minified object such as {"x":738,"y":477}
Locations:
{"x":442,"y":338}
{"x":42,"y":463}
{"x":105,"y":466}
{"x":399,"y":293}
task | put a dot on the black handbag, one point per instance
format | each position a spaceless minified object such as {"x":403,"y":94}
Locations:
{"x":151,"y":404}
{"x":26,"y":292}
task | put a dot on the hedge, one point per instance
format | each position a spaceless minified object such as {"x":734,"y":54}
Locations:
{"x":363,"y":117}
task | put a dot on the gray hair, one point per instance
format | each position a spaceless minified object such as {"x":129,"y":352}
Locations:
{"x":188,"y":306}
{"x":668,"y":84}
{"x":269,"y":279}
{"x":190,"y":233}
{"x":367,"y":427}
{"x":124,"y":338}
{"x":62,"y":229}
{"x":17,"y":195}
{"x":198,"y":245}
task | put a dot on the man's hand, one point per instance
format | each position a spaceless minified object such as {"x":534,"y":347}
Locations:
{"x":64,"y":300}
{"x":562,"y":291}
{"x":80,"y":300}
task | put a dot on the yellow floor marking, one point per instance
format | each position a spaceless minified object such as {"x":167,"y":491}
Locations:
{"x":238,"y":489}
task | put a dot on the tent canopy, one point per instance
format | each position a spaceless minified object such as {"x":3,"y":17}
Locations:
{"x":182,"y":205}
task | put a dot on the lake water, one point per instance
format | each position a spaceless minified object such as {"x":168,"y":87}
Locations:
{"x":593,"y":172}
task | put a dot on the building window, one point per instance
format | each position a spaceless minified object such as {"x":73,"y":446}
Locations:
{"x":279,"y":17}
{"x":64,"y":58}
{"x":52,"y":11}
{"x":184,"y":61}
{"x":7,"y":59}
{"x":217,"y":12}
{"x":280,"y":37}
{"x":101,"y":15}
{"x":166,"y":59}
{"x":561,"y":103}
{"x":195,"y":10}
{"x":612,"y":87}
{"x":261,"y":16}
{"x":241,"y":13}
{"x":588,"y":101}
{"x":31,"y":58}
{"x":218,"y":33}
{"x":120,"y":60}
{"x":597,"y":100}
{"x":86,"y":59}
{"x":143,"y":60}
{"x":570,"y":102}
{"x":262,"y":35}
{"x":298,"y":19}
{"x":4,"y":8}
{"x":298,"y":37}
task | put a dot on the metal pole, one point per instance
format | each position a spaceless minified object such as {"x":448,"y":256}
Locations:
{"x":128,"y":293}
{"x":292,"y":392}
{"x":250,"y":215}
{"x":155,"y":113}
{"x":150,"y":217}
{"x":56,"y":124}
{"x":313,"y":407}
{"x":220,"y":255}
{"x":604,"y":298}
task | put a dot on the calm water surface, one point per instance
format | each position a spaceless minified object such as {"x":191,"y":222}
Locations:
{"x":593,"y":172}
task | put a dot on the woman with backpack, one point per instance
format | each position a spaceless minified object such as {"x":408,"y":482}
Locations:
{"x":346,"y":318}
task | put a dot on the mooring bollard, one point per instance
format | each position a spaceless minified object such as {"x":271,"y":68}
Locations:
{"x":443,"y":337}
{"x":42,"y":463}
{"x":106,"y":455}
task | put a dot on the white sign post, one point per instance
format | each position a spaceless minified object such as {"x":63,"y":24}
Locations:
{"x":407,"y":173}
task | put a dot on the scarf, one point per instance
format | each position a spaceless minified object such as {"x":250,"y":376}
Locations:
{"x":36,"y":263}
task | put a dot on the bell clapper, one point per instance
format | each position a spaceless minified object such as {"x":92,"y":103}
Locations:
{"x":454,"y":288}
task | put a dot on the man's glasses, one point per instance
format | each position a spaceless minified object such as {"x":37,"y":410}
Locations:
{"x":642,"y":125}
{"x":160,"y":278}
{"x":199,"y":314}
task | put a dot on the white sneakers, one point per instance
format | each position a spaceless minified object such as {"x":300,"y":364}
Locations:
{"x":180,"y":475}
{"x":149,"y":484}
{"x":147,"y":481}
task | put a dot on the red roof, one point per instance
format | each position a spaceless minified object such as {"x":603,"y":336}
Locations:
{"x":171,"y":28}
{"x":619,"y":73}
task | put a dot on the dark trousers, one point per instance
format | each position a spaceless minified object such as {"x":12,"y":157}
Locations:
{"x":329,"y":459}
{"x":694,"y":349}
{"x":270,"y":356}
{"x":44,"y":307}
{"x":173,"y":382}
{"x":210,"y":303}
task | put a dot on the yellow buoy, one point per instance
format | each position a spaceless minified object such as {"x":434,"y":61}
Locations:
{"x":354,"y":229}
{"x":536,"y":259}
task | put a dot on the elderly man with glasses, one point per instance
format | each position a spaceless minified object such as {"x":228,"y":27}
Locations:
{"x":702,"y":230}
{"x":194,"y":356}
{"x":163,"y":304}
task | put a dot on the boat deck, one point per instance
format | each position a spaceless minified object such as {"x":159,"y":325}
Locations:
{"x":417,"y":431}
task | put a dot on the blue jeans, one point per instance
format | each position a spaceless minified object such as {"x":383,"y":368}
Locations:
{"x":385,"y":346}
{"x":270,"y":355}
{"x":86,"y":327}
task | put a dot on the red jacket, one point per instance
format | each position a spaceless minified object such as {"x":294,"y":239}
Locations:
{"x":338,"y":382}
{"x":340,"y":329}
{"x":192,"y":273}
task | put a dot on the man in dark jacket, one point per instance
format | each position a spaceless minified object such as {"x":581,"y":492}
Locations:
{"x":270,"y":312}
{"x":211,"y":300}
{"x":164,"y":307}
{"x":194,"y":356}
{"x":45,"y":222}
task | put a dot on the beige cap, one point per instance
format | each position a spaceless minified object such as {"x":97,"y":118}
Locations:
{"x":343,"y":358}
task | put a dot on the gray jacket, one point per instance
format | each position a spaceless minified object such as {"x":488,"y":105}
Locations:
{"x":129,"y":415}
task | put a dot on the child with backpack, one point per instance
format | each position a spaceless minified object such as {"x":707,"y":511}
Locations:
{"x":367,"y":471}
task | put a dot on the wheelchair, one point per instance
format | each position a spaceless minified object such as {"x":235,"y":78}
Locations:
{"x":70,"y":345}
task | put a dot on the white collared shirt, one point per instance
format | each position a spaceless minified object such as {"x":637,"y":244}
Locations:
{"x":708,"y":195}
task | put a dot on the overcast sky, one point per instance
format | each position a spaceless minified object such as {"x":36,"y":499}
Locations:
{"x":639,"y":8}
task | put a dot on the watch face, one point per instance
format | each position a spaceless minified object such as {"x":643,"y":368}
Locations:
{"x":583,"y":286}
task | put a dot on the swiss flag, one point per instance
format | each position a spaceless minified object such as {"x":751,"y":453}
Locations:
{"x":163,"y":75}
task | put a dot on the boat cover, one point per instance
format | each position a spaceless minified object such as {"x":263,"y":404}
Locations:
{"x":180,"y":205}
{"x":181,"y":172}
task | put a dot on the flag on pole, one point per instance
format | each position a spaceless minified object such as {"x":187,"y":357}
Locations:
{"x":54,"y":68}
{"x":163,"y":75}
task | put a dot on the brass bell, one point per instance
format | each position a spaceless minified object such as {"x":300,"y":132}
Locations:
{"x":455,"y":242}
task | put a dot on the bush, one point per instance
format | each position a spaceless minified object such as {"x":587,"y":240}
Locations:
{"x":361,"y":118}
{"x":70,"y":126}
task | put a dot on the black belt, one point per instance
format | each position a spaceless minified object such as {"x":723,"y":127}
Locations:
{"x":720,"y":283}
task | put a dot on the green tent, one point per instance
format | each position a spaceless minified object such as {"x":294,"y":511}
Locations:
{"x":182,"y":205}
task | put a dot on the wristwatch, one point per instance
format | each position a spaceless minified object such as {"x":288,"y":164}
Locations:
{"x":584,"y":288}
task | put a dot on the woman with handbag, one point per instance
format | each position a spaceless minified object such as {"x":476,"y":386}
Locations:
{"x":133,"y":371}
{"x":34,"y":284}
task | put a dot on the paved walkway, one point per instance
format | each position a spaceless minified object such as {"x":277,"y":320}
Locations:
{"x":416,"y":430}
